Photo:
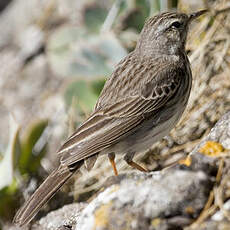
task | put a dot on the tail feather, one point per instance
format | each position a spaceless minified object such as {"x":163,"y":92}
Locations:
{"x":45,"y":191}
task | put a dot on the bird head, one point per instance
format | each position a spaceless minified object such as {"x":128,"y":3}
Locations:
{"x":166,"y":33}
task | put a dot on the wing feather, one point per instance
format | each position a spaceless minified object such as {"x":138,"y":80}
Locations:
{"x":113,"y":121}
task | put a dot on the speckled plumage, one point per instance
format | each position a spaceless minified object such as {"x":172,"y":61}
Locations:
{"x":140,"y":103}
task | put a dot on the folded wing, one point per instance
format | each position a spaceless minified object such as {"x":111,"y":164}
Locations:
{"x":111,"y":122}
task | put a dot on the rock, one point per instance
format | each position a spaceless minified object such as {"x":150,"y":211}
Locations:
{"x":30,"y":41}
{"x":212,"y":225}
{"x":138,"y":198}
{"x":220,"y":215}
{"x":219,"y":133}
{"x":169,"y":199}
{"x":159,"y":200}
{"x":61,"y":219}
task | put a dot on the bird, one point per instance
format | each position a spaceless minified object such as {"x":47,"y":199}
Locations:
{"x":140,"y":103}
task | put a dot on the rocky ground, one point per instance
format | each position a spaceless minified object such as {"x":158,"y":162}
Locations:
{"x":191,"y":195}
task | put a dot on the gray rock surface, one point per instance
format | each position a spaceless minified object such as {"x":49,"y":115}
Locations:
{"x":61,"y":219}
{"x":219,"y":133}
{"x":138,"y":198}
{"x":169,"y":199}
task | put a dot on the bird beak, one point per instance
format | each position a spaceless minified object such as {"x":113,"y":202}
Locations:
{"x":195,"y":15}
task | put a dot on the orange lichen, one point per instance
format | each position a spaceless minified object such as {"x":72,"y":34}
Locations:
{"x":212,"y":148}
{"x":155,"y":222}
{"x":190,"y":210}
{"x":102,"y":216}
{"x":187,"y":161}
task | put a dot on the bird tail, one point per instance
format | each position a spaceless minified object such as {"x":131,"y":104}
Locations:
{"x":44,"y":192}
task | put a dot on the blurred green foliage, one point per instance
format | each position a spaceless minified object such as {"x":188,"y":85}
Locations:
{"x":83,"y":95}
{"x":20,"y":160}
{"x":94,"y":16}
{"x":9,"y":200}
{"x":77,"y":53}
{"x":30,"y":158}
{"x":133,"y":15}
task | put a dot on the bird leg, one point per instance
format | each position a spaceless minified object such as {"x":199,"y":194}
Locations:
{"x":129,"y":160}
{"x":111,"y":159}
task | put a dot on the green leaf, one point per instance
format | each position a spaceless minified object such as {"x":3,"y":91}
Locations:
{"x":97,"y":86}
{"x":6,"y":164}
{"x":137,"y":16}
{"x":88,"y":55}
{"x":8,"y":186}
{"x":8,"y":200}
{"x":82,"y":95}
{"x":30,"y":157}
{"x":94,"y":16}
{"x":154,"y":7}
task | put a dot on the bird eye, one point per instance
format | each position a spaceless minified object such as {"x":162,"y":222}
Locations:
{"x":176,"y":24}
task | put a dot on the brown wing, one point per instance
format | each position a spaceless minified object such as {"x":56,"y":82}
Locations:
{"x":114,"y":119}
{"x":137,"y":77}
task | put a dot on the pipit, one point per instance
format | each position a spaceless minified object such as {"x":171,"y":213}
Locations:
{"x":140,"y":103}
